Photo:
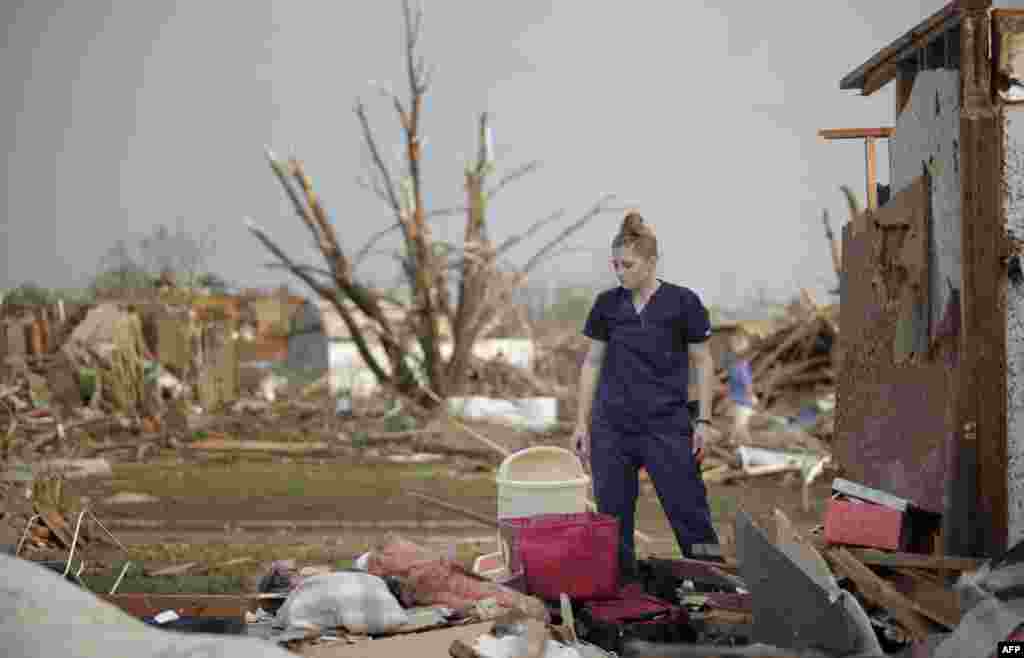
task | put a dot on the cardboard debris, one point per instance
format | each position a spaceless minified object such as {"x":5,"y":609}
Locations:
{"x":797,"y":603}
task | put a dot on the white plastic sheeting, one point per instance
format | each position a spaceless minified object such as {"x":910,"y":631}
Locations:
{"x":349,"y":371}
{"x":535,"y":414}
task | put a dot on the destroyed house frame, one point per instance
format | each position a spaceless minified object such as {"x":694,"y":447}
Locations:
{"x":931,"y":391}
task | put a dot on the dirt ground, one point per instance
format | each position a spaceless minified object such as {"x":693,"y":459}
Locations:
{"x":348,"y":504}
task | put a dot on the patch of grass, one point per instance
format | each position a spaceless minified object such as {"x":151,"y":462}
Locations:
{"x":425,"y":472}
{"x":135,"y":582}
{"x":296,"y":488}
{"x":360,"y":440}
{"x":246,"y":479}
{"x":232,"y":579}
{"x":212,"y":575}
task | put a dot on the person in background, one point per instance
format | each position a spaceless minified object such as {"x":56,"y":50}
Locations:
{"x":633,"y":397}
{"x":741,"y":389}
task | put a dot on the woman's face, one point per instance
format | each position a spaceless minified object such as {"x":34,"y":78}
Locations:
{"x":631,"y":269}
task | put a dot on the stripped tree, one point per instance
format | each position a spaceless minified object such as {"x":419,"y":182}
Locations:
{"x":484,"y":289}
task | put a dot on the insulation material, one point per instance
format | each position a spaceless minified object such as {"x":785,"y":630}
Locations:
{"x":1009,"y":35}
{"x":1013,"y":174}
{"x":899,"y":234}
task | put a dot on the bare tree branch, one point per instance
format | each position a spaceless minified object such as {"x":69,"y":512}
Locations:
{"x":378,"y":161}
{"x":310,"y":269}
{"x":330,"y":247}
{"x":300,"y":207}
{"x":383,"y":233}
{"x":446,"y":212}
{"x":574,"y":250}
{"x":599,"y":208}
{"x":377,"y":191}
{"x":413,"y":32}
{"x":513,"y":176}
{"x":395,"y":101}
{"x":326,"y":293}
{"x":536,"y":226}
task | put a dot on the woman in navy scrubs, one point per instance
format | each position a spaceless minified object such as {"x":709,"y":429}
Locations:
{"x":633,"y":397}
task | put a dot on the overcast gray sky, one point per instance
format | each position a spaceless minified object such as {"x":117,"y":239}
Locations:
{"x":117,"y":115}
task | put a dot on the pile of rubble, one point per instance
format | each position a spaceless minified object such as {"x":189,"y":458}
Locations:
{"x":795,"y":372}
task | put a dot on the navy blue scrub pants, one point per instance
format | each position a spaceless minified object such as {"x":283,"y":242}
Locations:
{"x":615,"y":459}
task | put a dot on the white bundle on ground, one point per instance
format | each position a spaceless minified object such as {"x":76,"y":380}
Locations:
{"x":360,"y":602}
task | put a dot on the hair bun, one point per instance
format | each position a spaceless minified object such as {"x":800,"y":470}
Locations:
{"x":633,"y":225}
{"x":635,"y":233}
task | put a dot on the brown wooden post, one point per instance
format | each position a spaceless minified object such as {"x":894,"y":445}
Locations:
{"x":33,"y":338}
{"x":982,"y":378}
{"x":870,"y":157}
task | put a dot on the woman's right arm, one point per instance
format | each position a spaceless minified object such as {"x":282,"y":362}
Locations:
{"x":589,"y":374}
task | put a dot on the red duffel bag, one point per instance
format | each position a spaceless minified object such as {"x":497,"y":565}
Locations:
{"x":577,"y":554}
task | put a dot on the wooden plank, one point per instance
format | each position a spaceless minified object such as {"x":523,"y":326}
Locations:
{"x":881,"y":593}
{"x":244,"y":445}
{"x":830,"y":134}
{"x":870,"y":158}
{"x":878,"y":558}
{"x":982,"y":407}
{"x":935,"y":601}
{"x":879,"y":76}
{"x":887,"y":66}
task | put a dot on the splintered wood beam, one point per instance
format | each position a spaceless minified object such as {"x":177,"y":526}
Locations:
{"x":881,"y":593}
{"x":830,"y":134}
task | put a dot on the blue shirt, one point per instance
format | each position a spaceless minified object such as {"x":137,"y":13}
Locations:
{"x":645,"y":375}
{"x":740,"y":379}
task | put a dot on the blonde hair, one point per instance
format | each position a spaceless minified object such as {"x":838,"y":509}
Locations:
{"x":637,"y":235}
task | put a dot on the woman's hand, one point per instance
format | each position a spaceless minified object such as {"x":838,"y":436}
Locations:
{"x":581,"y":443}
{"x":701,"y":434}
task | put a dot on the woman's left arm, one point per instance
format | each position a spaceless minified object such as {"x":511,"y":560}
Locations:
{"x":704,"y":363}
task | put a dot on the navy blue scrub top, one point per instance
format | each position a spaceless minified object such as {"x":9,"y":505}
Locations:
{"x":643,"y":386}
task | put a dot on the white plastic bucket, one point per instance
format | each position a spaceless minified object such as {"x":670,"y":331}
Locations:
{"x":541,"y":480}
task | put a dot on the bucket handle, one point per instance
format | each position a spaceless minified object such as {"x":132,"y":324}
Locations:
{"x":503,"y":468}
